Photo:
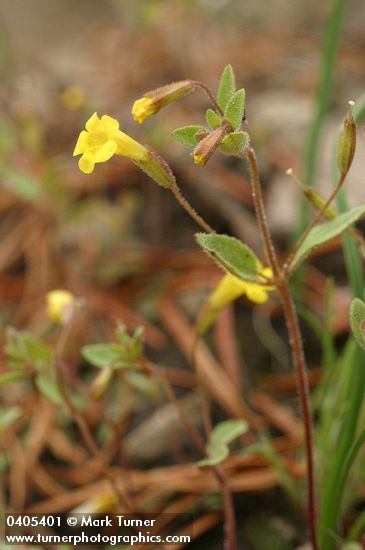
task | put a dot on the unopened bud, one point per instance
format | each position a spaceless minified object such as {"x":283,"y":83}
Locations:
{"x":347,"y":144}
{"x":101,"y":383}
{"x":314,"y":197}
{"x":206,"y":147}
{"x":154,"y":100}
{"x":319,"y":202}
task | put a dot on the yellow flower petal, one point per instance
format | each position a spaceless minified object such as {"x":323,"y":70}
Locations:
{"x":96,"y":140}
{"x":94,"y":124}
{"x":267,"y":273}
{"x":228,"y":289}
{"x":143,"y":108}
{"x":256,"y":293}
{"x":105,"y":152}
{"x":82,"y":143}
{"x":86,"y":163}
{"x":199,"y":159}
{"x":102,"y":139}
{"x":111,"y":125}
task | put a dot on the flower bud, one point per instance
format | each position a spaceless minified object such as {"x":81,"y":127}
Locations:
{"x":314,"y":197}
{"x":154,"y":100}
{"x":60,"y":306}
{"x":101,"y":383}
{"x":318,"y":202}
{"x":206,"y":147}
{"x":347,"y":144}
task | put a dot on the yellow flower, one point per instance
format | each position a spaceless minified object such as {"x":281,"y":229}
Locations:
{"x":74,"y":98}
{"x":229,"y":289}
{"x":102,"y":139}
{"x":59,"y":305}
{"x":143,"y":108}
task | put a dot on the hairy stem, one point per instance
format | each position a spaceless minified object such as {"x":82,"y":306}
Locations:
{"x":212,"y":99}
{"x":189,"y":209}
{"x":295,"y":339}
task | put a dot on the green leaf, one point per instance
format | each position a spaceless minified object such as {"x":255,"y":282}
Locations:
{"x":213,"y":119}
{"x":9,"y":416}
{"x":12,"y":377}
{"x":227,"y":87}
{"x":222,"y":435}
{"x":327,"y":231}
{"x":231,"y":254}
{"x":22,"y":184}
{"x":102,"y":355}
{"x":186,"y":134}
{"x":227,"y":431}
{"x":217,"y":455}
{"x":22,"y":348}
{"x":357,"y":319}
{"x":235,"y":109}
{"x":119,"y":356}
{"x":48,"y":387}
{"x":234,"y":144}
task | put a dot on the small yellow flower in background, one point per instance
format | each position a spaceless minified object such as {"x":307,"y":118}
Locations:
{"x":102,"y":139}
{"x":229,"y":289}
{"x":74,"y":97}
{"x":156,"y":99}
{"x":60,"y":305}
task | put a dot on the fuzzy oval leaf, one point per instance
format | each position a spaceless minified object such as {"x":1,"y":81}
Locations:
{"x":101,"y":355}
{"x":327,"y":231}
{"x":222,"y":435}
{"x":217,"y":455}
{"x":186,"y":134}
{"x":227,"y":431}
{"x":234,"y":144}
{"x":235,"y":109}
{"x":213,"y":119}
{"x":227,"y":87}
{"x":357,"y":319}
{"x":231,"y":254}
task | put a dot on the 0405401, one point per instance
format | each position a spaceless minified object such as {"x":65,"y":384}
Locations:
{"x":32,"y":521}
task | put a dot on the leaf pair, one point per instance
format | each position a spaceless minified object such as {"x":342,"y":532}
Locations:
{"x":231,"y":102}
{"x":116,"y":355}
